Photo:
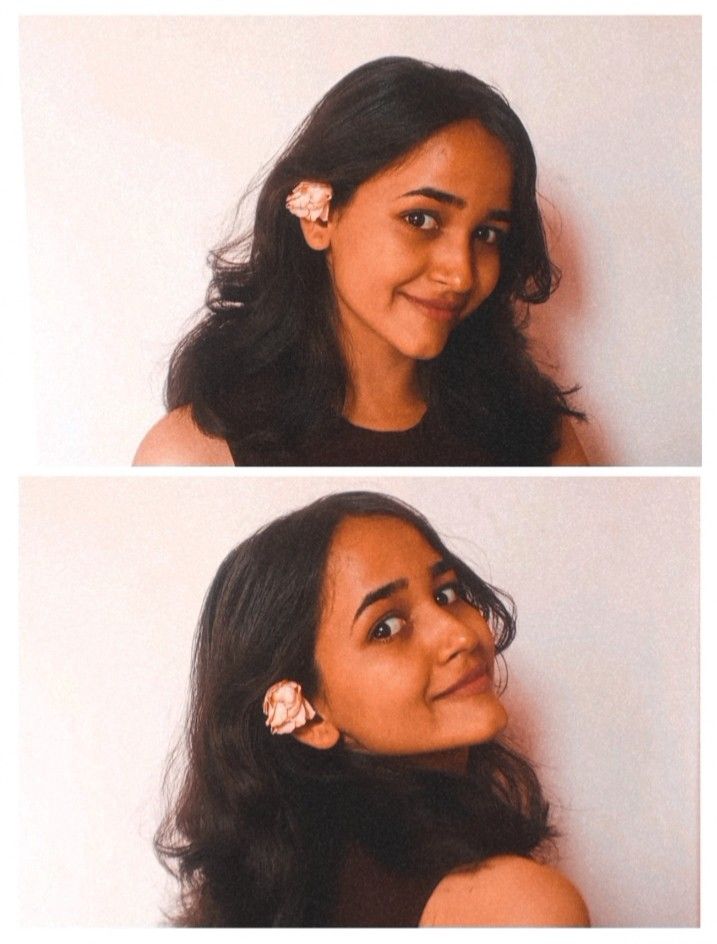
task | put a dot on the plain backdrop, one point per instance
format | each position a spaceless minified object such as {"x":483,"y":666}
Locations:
{"x":603,"y":686}
{"x":140,"y":134}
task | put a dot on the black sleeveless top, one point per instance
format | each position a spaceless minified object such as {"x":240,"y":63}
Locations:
{"x":372,"y":896}
{"x":428,"y":443}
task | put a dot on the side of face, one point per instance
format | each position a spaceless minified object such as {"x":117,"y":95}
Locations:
{"x":406,"y":664}
{"x":418,"y":246}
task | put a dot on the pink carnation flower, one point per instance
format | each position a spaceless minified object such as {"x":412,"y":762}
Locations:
{"x":286,"y":708}
{"x":310,"y":201}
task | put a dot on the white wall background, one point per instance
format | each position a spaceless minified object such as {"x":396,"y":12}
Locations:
{"x":141,"y":133}
{"x":603,"y":673}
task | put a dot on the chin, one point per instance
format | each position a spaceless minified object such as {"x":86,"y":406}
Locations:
{"x":490,"y":725}
{"x":425,"y":350}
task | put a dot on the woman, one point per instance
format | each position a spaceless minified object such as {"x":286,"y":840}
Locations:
{"x":344,"y":766}
{"x":372,"y":316}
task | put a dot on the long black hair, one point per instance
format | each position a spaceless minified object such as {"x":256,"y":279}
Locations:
{"x":264,"y":367}
{"x":260,"y":824}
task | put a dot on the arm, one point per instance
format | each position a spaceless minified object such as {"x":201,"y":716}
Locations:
{"x":570,"y":452}
{"x":506,"y":891}
{"x":177,"y":440}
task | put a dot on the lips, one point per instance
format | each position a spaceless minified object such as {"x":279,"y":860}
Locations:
{"x":439,"y":309}
{"x":476,"y":680}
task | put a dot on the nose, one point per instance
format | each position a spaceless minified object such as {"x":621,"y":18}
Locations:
{"x":452,"y":264}
{"x":455,"y":635}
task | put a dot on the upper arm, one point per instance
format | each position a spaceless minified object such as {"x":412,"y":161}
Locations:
{"x":177,"y":440}
{"x":569,"y":452}
{"x":506,"y":891}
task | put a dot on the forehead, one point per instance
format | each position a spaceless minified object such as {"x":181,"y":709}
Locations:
{"x":370,"y":551}
{"x":461,"y":158}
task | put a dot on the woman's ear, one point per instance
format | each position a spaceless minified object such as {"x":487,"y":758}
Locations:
{"x":317,"y":233}
{"x":310,"y":200}
{"x":318,"y":733}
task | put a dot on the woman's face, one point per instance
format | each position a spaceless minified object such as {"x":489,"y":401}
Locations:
{"x":418,"y":246}
{"x":406,"y":664}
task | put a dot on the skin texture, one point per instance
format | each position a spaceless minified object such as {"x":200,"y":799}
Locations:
{"x":384,"y":673}
{"x":177,"y":440}
{"x":506,"y":891}
{"x":570,"y":451}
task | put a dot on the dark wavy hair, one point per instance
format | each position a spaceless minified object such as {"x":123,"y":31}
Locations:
{"x":264,"y":368}
{"x":260,"y":825}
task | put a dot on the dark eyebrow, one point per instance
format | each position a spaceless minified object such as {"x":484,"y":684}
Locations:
{"x":500,"y":216}
{"x":382,"y":593}
{"x":442,"y":196}
{"x":441,"y":567}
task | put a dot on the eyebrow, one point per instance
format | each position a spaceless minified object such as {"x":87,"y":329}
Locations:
{"x":442,"y":196}
{"x":452,"y":199}
{"x":388,"y":589}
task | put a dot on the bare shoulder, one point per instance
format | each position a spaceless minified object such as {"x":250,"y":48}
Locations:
{"x":570,"y":451}
{"x":506,"y":891}
{"x":177,"y":440}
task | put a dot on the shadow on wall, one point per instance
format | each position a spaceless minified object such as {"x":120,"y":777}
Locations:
{"x":555,"y":329}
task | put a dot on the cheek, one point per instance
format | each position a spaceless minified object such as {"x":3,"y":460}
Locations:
{"x":356,"y":273}
{"x":373,"y":697}
{"x":383,"y":261}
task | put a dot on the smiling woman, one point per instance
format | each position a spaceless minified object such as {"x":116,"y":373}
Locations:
{"x":419,"y":690}
{"x":408,"y":262}
{"x":384,"y":325}
{"x":351,"y":632}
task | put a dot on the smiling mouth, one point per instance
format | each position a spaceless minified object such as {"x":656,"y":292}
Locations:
{"x":438,"y":309}
{"x":472,"y":683}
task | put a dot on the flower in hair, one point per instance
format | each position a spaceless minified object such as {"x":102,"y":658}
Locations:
{"x":286,"y":708}
{"x":310,"y":200}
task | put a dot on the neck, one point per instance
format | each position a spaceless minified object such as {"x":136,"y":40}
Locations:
{"x":383,"y":392}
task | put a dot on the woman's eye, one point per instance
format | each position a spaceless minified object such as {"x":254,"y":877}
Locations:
{"x":447,"y":595}
{"x":387,"y":628}
{"x":419,"y":219}
{"x":490,"y":235}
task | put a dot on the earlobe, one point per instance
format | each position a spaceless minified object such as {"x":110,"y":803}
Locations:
{"x":319,"y":733}
{"x":288,"y":711}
